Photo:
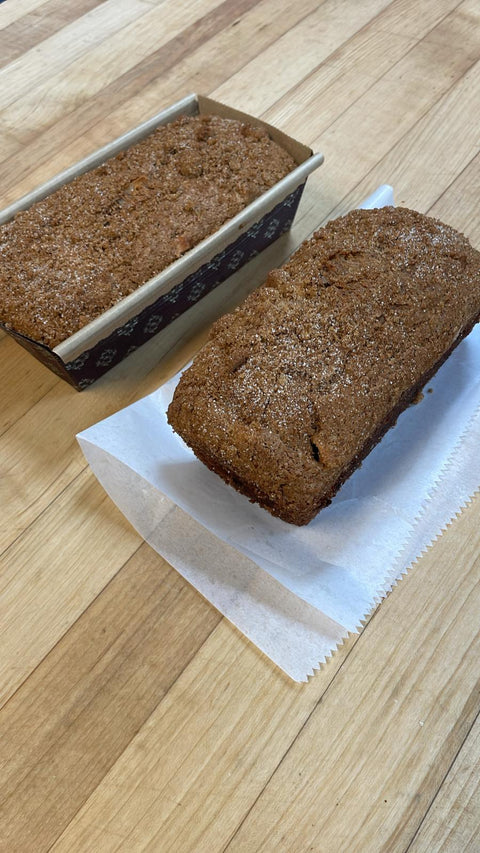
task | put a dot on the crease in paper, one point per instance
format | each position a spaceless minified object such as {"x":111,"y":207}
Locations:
{"x":298,"y":592}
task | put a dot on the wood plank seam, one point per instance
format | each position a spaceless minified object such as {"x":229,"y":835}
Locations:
{"x":69,"y":628}
{"x":432,"y":107}
{"x":452,"y":182}
{"x":119,"y":92}
{"x":439,"y":789}
{"x":330,"y":686}
{"x":24,"y":31}
{"x":38,"y":399}
{"x":83,"y":709}
{"x":313,"y":710}
{"x":396,"y":63}
{"x":46,"y":508}
{"x":374,"y":82}
{"x":182,"y":42}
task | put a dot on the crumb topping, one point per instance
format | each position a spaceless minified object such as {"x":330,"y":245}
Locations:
{"x":94,"y":241}
{"x":292,"y":385}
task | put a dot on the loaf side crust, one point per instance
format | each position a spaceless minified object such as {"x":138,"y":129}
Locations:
{"x":296,"y":386}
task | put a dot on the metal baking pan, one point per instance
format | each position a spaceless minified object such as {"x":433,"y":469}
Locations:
{"x":97,"y":347}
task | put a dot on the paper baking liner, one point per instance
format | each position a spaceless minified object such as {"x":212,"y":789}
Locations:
{"x":103,"y":343}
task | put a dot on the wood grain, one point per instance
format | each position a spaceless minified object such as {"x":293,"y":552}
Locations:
{"x":133,"y":717}
{"x":453,"y":820}
{"x":418,"y":718}
{"x":68,"y":722}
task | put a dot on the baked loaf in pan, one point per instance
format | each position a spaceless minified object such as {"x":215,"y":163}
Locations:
{"x":76,"y":253}
{"x":296,"y":386}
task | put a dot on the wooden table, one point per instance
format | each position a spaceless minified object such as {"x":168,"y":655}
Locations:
{"x":133,"y":716}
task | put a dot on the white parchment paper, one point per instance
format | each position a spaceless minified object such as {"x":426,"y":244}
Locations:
{"x":297,"y":592}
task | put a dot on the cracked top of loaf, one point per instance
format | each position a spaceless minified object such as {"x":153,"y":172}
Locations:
{"x":297,"y":384}
{"x":68,"y":258}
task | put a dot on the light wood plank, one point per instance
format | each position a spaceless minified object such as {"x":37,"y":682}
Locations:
{"x":216,"y":730}
{"x":414,"y":170}
{"x":40,"y":24}
{"x":404,"y":20}
{"x":441,"y":68}
{"x":39,"y":71}
{"x":291,"y":58}
{"x":17,"y":370}
{"x":408,"y":164}
{"x":33,"y":76}
{"x":354,"y":67}
{"x":10,"y":12}
{"x":62,"y":730}
{"x":209,"y":64}
{"x":68,"y":551}
{"x":452,"y":823}
{"x":182,"y":65}
{"x":100,"y":61}
{"x":458,"y":205}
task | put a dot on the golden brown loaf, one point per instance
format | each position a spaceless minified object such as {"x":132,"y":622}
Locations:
{"x":73,"y":255}
{"x":295,"y":387}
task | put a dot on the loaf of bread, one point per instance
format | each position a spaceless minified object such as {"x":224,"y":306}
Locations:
{"x":296,"y":386}
{"x":68,"y":258}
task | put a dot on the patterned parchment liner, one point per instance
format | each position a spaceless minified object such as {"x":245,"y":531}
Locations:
{"x":298,"y":592}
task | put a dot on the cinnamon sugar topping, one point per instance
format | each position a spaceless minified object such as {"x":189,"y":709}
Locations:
{"x":68,"y":258}
{"x":293,"y":388}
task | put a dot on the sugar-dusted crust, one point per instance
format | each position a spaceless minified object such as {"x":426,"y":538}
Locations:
{"x":73,"y":255}
{"x":295,"y":387}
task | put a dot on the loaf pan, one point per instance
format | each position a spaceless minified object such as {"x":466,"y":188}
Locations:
{"x":105,"y":341}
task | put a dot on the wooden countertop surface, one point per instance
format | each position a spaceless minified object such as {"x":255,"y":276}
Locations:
{"x":133,"y":716}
